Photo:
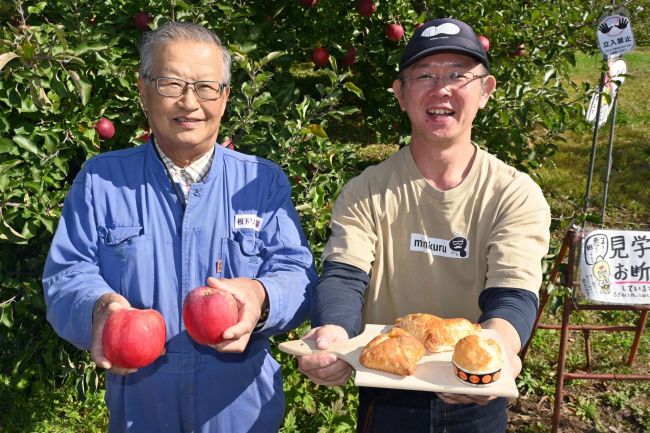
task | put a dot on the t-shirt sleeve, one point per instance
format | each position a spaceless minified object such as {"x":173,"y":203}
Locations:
{"x":520,"y":236}
{"x":353,"y":238}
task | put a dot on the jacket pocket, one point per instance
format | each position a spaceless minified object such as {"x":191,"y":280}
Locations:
{"x":241,"y":255}
{"x":126,"y":263}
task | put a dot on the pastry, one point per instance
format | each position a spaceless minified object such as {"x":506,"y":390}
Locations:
{"x":395,"y":352}
{"x":477,"y":360}
{"x":437,"y":334}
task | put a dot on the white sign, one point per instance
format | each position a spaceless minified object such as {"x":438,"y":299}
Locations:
{"x":615,"y":266}
{"x":615,"y":35}
{"x":615,"y":77}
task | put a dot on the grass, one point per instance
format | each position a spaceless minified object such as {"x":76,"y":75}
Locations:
{"x":564,"y":178}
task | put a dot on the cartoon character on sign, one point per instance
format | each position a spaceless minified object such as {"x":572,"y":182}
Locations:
{"x":601,"y":272}
{"x":595,"y":248}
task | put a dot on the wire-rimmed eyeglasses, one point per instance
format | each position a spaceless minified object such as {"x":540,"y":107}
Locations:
{"x":452,"y":81}
{"x":175,"y":87}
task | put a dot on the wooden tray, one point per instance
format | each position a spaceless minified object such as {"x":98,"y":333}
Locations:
{"x":433,"y":372}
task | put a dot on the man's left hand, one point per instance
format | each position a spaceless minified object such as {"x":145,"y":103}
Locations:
{"x":250,"y":295}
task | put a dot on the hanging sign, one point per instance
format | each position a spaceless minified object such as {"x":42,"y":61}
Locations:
{"x":615,"y":35}
{"x":615,"y":266}
{"x":615,"y":77}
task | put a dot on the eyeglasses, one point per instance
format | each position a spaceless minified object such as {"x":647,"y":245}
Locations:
{"x":175,"y":87}
{"x":452,"y":81}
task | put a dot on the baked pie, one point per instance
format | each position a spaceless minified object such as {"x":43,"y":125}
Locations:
{"x":395,"y":352}
{"x":437,"y":334}
{"x":477,"y":360}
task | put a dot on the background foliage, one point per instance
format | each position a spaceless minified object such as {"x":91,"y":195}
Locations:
{"x":64,"y":64}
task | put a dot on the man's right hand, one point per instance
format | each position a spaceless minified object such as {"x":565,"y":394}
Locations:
{"x":325,"y":368}
{"x":104,"y":307}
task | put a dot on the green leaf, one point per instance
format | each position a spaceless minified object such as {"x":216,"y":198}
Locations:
{"x":6,"y":58}
{"x":317,"y":130}
{"x":354,"y":89}
{"x":551,"y":73}
{"x":5,"y":316}
{"x":84,"y":48}
{"x":6,"y":145}
{"x":37,"y":9}
{"x":271,"y":56}
{"x":26,"y":144}
{"x":82,"y":87}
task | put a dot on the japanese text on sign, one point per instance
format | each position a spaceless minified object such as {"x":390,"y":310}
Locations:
{"x":615,"y":266}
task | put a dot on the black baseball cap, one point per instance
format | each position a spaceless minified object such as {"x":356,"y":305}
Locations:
{"x":442,"y":36}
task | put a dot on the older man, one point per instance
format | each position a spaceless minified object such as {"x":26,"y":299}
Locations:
{"x":378,"y":265}
{"x":142,"y":227}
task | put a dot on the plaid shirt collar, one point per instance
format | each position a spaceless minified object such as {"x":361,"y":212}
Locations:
{"x":193,"y":173}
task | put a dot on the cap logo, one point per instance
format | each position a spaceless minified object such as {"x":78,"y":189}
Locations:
{"x":446,"y":28}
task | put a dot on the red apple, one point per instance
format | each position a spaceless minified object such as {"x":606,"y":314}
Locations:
{"x":485,"y":42}
{"x":350,"y":57}
{"x":105,"y":129}
{"x":366,"y":7}
{"x":207,"y":312}
{"x":320,"y":56}
{"x":394,"y":32}
{"x":519,"y":51}
{"x":142,"y":20}
{"x":133,"y":338}
{"x":228,"y":143}
{"x":308,"y":3}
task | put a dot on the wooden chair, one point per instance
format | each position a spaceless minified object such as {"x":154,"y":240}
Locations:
{"x":565,"y":265}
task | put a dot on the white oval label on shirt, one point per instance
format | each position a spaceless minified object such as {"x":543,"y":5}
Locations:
{"x":456,"y":247}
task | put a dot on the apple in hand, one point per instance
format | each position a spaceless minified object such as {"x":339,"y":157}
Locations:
{"x":366,"y":7}
{"x":485,"y":43}
{"x":207,"y":312}
{"x":105,"y":129}
{"x":133,"y":338}
{"x":142,"y":20}
{"x":320,"y":56}
{"x":394,"y":32}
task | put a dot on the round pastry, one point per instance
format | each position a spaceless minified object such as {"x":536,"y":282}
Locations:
{"x":477,"y":360}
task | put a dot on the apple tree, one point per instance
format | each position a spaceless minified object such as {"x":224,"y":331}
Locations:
{"x":310,"y":90}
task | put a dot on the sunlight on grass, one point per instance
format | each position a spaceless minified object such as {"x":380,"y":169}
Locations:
{"x":564,"y":179}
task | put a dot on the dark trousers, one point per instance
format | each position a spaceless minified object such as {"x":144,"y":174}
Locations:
{"x":396,"y":411}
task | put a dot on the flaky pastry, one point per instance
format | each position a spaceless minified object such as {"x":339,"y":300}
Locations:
{"x":395,"y":352}
{"x":437,"y":334}
{"x":475,"y":354}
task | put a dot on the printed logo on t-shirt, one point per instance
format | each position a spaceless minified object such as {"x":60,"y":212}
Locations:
{"x":246,"y":221}
{"x":456,"y":247}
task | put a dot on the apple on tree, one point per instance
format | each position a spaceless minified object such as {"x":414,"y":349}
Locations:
{"x":394,"y":31}
{"x":134,"y":338}
{"x":308,"y":3}
{"x":207,"y":312}
{"x":366,"y":7}
{"x":105,"y":129}
{"x":320,"y":56}
{"x":519,"y":51}
{"x":142,"y":20}
{"x":485,"y":43}
{"x":350,"y":57}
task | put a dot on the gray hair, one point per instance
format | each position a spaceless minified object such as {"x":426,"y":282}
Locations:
{"x":176,"y":31}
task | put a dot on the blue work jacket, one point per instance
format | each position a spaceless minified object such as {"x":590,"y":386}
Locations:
{"x":123,"y":230}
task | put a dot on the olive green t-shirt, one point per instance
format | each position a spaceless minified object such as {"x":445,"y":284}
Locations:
{"x":431,"y":251}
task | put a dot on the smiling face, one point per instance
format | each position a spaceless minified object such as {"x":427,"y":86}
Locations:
{"x":439,"y":115}
{"x":184,"y":127}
